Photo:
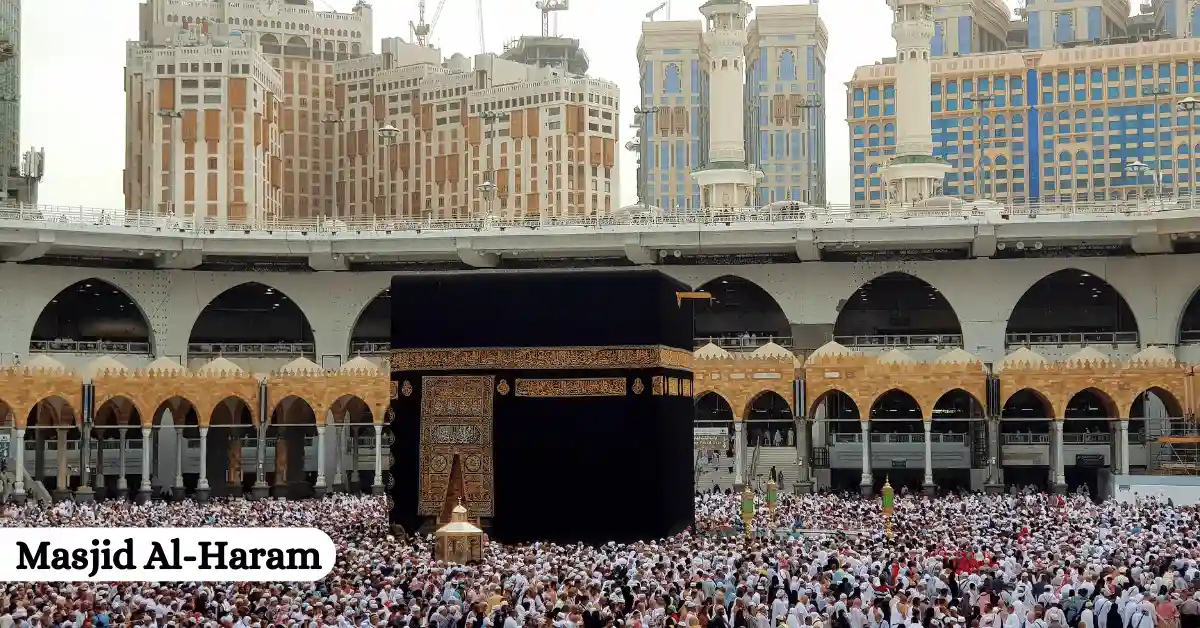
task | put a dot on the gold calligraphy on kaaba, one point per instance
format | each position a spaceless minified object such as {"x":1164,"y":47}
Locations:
{"x":582,"y":387}
{"x":541,"y":358}
{"x":656,"y":385}
{"x":456,"y":423}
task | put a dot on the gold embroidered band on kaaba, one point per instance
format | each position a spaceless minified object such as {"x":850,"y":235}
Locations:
{"x":541,"y":358}
{"x":585,"y":387}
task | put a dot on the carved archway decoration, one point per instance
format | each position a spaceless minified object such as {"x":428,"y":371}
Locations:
{"x":147,"y":389}
{"x":865,"y":378}
{"x":327,"y":390}
{"x":25,"y":386}
{"x":1058,"y":382}
{"x":739,"y":378}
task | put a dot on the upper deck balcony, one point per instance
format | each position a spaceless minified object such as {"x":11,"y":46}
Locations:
{"x":784,"y":231}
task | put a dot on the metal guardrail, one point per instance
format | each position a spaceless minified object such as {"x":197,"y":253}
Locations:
{"x":151,"y":221}
{"x":901,"y":340}
{"x":370,"y":348}
{"x":1092,"y":338}
{"x":251,"y":348}
{"x":1070,"y":438}
{"x":106,"y":347}
{"x":900,"y":438}
{"x":743,"y":343}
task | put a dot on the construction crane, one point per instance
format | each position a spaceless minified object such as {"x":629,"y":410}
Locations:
{"x":419,"y":32}
{"x":662,"y":5}
{"x":547,"y":7}
{"x":479,"y":16}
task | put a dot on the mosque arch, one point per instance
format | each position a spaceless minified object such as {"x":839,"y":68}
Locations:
{"x":766,"y":414}
{"x":838,"y":410}
{"x":92,"y":311}
{"x":739,"y":309}
{"x":1071,"y":301}
{"x":108,"y":413}
{"x":957,"y":404}
{"x":895,"y":304}
{"x":373,"y":327}
{"x":1189,"y":321}
{"x":1090,"y":403}
{"x":711,"y":407}
{"x":251,"y":312}
{"x":895,"y":410}
{"x":1027,"y":403}
{"x":1146,"y":403}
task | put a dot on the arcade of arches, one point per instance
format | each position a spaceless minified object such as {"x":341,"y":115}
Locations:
{"x":750,"y":397}
{"x":891,"y":400}
{"x":218,"y":406}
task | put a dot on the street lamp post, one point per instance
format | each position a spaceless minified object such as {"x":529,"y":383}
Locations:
{"x":644,"y":115}
{"x":1139,"y":168}
{"x":1189,"y":106}
{"x":388,"y":135}
{"x":980,"y":173}
{"x":331,"y":121}
{"x":491,"y":118}
{"x":1155,"y":92}
{"x":809,"y":104}
{"x":171,"y":116}
{"x":488,"y":189}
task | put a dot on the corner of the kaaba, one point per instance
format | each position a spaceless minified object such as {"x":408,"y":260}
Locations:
{"x":555,"y":405}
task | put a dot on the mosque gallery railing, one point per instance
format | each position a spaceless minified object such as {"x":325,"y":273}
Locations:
{"x":57,"y":216}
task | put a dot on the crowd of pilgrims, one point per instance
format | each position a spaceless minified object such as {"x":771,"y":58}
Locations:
{"x":816,"y":561}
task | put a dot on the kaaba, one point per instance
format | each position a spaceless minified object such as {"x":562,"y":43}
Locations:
{"x":554,"y":405}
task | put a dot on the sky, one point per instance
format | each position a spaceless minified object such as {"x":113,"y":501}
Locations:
{"x":73,"y":59}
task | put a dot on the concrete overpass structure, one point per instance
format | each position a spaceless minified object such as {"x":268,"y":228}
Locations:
{"x":1116,"y":277}
{"x":800,"y":270}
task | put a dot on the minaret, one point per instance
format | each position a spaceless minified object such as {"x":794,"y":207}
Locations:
{"x":726,"y":181}
{"x":914,"y":173}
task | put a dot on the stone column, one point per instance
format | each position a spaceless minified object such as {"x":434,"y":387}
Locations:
{"x":178,"y":491}
{"x":143,"y":494}
{"x":101,"y":483}
{"x":202,"y":489}
{"x":1060,"y":473}
{"x":84,"y":493}
{"x":803,"y":457}
{"x":281,"y":461}
{"x":377,"y":483}
{"x":866,"y":485}
{"x":260,"y":488}
{"x":339,"y":458}
{"x":928,"y":485}
{"x":18,"y":492}
{"x":355,"y":484}
{"x":62,"y":483}
{"x":1123,"y":446}
{"x":122,"y":483}
{"x":39,"y":453}
{"x":739,"y":456}
{"x":234,"y":468}
{"x":995,"y":482}
{"x":319,"y":487}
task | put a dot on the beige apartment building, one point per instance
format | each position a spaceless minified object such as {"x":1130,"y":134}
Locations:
{"x":202,"y":126}
{"x":290,"y":48}
{"x":475,"y":136}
